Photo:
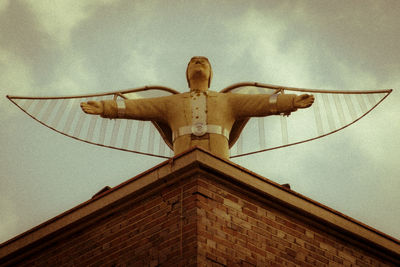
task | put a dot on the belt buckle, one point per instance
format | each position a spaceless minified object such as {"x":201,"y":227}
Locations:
{"x":199,"y":129}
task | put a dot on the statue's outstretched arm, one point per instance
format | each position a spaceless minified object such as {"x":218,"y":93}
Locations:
{"x":138,"y":109}
{"x":259,"y":105}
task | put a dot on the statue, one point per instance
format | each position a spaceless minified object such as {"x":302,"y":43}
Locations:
{"x":200,"y":117}
{"x":234,"y":122}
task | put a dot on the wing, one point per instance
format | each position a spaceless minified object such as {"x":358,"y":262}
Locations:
{"x":332,"y":111}
{"x":64,"y":115}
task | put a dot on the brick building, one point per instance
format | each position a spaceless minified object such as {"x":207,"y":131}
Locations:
{"x":199,"y":210}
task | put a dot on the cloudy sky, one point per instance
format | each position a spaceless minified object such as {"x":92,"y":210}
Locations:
{"x":58,"y":48}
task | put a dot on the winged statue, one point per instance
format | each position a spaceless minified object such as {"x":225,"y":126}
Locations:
{"x":242,"y":119}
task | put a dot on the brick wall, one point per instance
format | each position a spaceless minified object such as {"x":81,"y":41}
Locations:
{"x":159,"y":230}
{"x":200,"y":221}
{"x":236,"y":229}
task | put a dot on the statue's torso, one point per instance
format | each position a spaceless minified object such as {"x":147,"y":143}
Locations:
{"x":183,"y":110}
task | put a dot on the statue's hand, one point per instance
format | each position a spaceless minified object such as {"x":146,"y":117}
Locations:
{"x":92,"y":107}
{"x":303,"y":101}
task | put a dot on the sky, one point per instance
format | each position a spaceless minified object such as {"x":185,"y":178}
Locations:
{"x":61,"y":48}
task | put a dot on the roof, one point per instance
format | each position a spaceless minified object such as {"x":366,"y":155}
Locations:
{"x":206,"y":161}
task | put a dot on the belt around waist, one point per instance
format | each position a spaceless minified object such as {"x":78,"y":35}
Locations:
{"x":209,"y":128}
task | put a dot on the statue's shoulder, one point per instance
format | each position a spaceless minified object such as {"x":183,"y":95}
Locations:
{"x":185,"y":94}
{"x":214,"y":93}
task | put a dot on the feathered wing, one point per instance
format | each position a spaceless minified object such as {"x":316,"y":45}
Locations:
{"x":64,"y":115}
{"x":332,"y":111}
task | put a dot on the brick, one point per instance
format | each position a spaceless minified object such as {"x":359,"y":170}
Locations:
{"x":251,"y":213}
{"x":250,"y":206}
{"x":291,"y":231}
{"x":241,"y":222}
{"x":271,"y":223}
{"x":346,"y":257}
{"x":211,"y":243}
{"x":232,"y":204}
{"x":211,"y":216}
{"x":309,"y":234}
{"x":291,"y":252}
{"x":327,"y":241}
{"x":168,"y":194}
{"x":231,"y":198}
{"x":261,"y":232}
{"x":299,"y":242}
{"x":256,"y":249}
{"x":266,"y":227}
{"x":327,"y":247}
{"x":222,"y":214}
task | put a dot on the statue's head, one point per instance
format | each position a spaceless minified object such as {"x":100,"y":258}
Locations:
{"x":197,"y":67}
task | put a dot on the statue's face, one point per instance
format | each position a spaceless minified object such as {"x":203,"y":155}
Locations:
{"x":198,"y":67}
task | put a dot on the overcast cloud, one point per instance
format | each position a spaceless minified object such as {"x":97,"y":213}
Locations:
{"x":56,"y":48}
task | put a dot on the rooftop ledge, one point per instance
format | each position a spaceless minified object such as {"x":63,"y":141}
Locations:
{"x":198,"y":159}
